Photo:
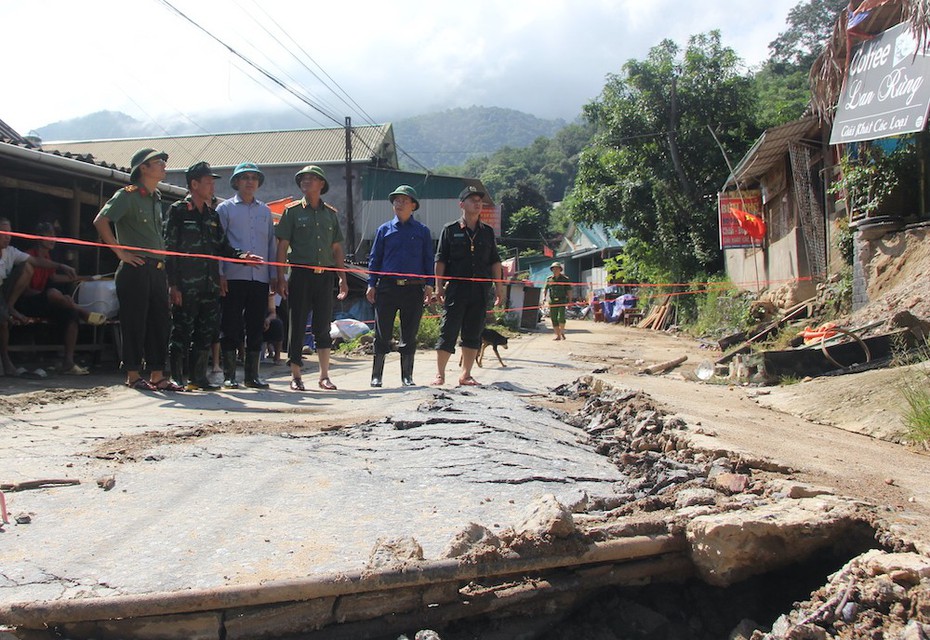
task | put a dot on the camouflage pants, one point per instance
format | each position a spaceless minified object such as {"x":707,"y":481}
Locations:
{"x":195,"y":323}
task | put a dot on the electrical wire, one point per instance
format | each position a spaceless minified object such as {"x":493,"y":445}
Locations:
{"x":267,"y":74}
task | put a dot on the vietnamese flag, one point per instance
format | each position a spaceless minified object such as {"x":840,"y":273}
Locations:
{"x":753,"y":225}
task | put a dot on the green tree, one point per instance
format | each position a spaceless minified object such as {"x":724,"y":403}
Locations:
{"x":782,"y":84}
{"x":810,"y":24}
{"x":654,"y":167}
{"x":528,"y":223}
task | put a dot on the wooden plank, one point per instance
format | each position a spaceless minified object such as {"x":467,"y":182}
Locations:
{"x":664,"y":366}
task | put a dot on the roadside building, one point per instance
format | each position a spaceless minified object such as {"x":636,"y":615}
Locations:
{"x":775,"y":227}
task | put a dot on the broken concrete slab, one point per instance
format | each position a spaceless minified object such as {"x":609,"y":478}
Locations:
{"x":729,"y":547}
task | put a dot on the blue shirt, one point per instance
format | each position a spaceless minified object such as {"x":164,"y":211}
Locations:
{"x":402,"y":250}
{"x":249,"y":227}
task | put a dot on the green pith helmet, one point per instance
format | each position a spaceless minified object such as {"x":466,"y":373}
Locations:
{"x":142,"y":156}
{"x":246,"y":167}
{"x":556,"y":265}
{"x":312,"y":169}
{"x":406,"y":190}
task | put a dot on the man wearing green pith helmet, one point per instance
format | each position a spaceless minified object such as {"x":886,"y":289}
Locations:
{"x":133,"y":218}
{"x":310,"y":240}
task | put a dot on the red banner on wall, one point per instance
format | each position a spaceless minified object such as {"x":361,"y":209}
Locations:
{"x":491,"y":216}
{"x":732,"y":235}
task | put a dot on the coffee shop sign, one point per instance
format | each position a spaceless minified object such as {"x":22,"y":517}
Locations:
{"x":886,"y":91}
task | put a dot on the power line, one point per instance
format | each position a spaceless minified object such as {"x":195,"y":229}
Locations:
{"x":310,"y":101}
{"x":359,"y":110}
{"x":252,"y":64}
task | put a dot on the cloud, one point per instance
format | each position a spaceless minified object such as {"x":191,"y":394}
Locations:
{"x":546,"y":57}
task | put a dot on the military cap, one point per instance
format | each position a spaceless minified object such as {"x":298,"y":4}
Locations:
{"x":312,"y":169}
{"x":197,"y":171}
{"x":246,"y":167}
{"x":470,"y":190}
{"x":405,"y":190}
{"x":142,"y":156}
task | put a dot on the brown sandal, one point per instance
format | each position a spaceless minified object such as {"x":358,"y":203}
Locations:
{"x":327,"y":384}
{"x":166,"y":384}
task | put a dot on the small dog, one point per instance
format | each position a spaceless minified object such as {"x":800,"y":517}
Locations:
{"x":489,"y":338}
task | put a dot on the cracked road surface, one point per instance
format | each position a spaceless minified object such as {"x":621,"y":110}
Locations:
{"x":240,"y":487}
{"x":246,"y":501}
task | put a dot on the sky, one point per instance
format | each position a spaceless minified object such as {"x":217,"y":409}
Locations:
{"x":391,"y":59}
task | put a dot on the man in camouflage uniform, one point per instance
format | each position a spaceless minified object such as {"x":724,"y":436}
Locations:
{"x":193,"y":226}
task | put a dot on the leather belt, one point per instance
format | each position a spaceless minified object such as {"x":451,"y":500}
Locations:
{"x":159,"y":264}
{"x":404,"y":282}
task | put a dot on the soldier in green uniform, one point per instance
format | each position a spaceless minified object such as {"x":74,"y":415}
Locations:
{"x":135,"y":213}
{"x":558,"y":286}
{"x":310,"y":239}
{"x":193,"y":226}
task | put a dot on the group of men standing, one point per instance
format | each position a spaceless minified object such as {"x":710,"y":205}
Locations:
{"x":207,"y":269}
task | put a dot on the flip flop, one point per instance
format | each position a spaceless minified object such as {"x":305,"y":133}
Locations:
{"x":438,"y":381}
{"x":297,"y":385}
{"x":469,"y":382}
{"x":76,"y":370}
{"x":327,"y":384}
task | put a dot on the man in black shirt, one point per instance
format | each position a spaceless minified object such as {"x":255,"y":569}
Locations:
{"x":467,"y":262}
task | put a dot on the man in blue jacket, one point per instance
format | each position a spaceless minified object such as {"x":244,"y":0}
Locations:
{"x":400,"y":275}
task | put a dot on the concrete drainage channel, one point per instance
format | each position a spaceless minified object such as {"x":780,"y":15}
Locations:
{"x":697,"y":544}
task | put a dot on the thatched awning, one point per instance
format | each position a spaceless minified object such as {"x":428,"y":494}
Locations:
{"x":829,"y":70}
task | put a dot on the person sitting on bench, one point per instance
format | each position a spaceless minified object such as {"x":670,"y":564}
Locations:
{"x":33,"y":294}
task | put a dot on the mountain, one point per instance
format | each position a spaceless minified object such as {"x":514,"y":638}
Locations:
{"x":453,"y":136}
{"x":99,"y":125}
{"x":436,"y":139}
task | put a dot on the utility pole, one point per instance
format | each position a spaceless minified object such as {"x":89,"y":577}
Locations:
{"x":350,"y":212}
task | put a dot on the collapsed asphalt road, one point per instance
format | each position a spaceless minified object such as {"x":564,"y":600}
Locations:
{"x":218,"y":511}
{"x":201,"y":492}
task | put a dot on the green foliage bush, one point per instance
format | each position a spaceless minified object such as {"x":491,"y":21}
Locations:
{"x":722,"y":310}
{"x":915,"y":388}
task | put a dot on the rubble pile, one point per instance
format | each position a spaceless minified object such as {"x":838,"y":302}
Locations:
{"x":878,"y":595}
{"x":651,"y":447}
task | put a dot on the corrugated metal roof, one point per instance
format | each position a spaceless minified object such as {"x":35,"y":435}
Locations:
{"x":770,"y":149}
{"x":9,"y":134}
{"x":222,"y":150}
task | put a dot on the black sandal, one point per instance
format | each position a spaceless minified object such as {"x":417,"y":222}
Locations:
{"x":297,"y":385}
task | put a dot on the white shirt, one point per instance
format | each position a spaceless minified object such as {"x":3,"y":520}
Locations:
{"x":10,"y":257}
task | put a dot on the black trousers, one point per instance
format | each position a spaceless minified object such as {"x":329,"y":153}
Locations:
{"x":244,"y":306}
{"x":391,"y":299}
{"x":144,"y":314}
{"x":308,"y":291}
{"x":465,"y":310}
